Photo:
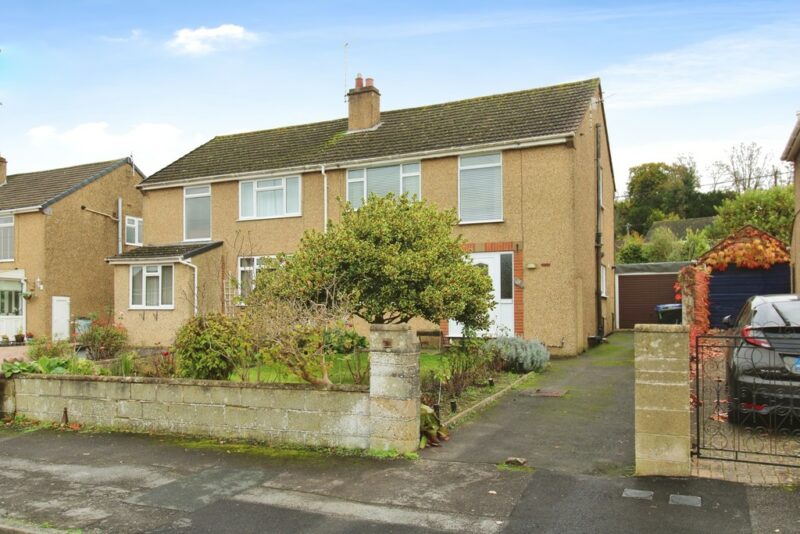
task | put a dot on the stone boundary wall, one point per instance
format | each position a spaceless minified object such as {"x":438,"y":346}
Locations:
{"x":285,"y":413}
{"x":383,"y":416}
{"x":663,"y":414}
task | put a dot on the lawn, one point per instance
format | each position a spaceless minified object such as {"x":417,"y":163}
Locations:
{"x":339,"y":373}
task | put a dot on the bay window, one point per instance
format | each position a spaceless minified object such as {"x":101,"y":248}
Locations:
{"x":151,"y":287}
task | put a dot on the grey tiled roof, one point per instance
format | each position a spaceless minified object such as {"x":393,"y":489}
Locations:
{"x":42,"y":188}
{"x":181,"y":250}
{"x":681,"y":226}
{"x":552,"y":110}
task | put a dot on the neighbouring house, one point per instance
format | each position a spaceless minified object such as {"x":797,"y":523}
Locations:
{"x":680,"y":227}
{"x":528,"y":172}
{"x":792,"y":154}
{"x":56,"y":229}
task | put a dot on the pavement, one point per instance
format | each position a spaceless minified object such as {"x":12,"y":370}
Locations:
{"x":579,"y":446}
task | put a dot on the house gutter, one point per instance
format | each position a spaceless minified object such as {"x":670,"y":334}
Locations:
{"x":194,"y":268}
{"x":544,"y":140}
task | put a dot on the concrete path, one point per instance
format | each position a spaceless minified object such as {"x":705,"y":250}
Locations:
{"x":580,"y":447}
{"x":588,"y":430}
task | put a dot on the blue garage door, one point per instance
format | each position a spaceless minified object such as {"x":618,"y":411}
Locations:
{"x":728,"y":290}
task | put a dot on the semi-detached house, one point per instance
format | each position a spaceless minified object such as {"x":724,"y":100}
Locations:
{"x":528,"y":172}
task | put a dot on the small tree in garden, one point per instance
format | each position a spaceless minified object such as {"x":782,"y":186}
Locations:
{"x":212,"y":347}
{"x":294,"y":331}
{"x":392,"y":259}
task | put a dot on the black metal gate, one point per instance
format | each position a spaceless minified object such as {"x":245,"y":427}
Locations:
{"x":746,"y":400}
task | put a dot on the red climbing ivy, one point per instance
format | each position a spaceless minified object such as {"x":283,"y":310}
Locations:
{"x":692,"y":289}
{"x":749,"y":248}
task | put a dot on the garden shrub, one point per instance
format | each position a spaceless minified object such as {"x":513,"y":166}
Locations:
{"x":210,"y":347}
{"x":124,"y":364}
{"x":104,"y":339}
{"x":80,"y":366}
{"x":521,"y":356}
{"x":44,"y":348}
{"x":344,"y":340}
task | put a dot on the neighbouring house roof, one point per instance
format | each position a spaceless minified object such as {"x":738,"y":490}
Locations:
{"x":681,"y":226}
{"x":475,"y":122}
{"x":42,"y":188}
{"x":177,"y":252}
{"x":792,"y":149}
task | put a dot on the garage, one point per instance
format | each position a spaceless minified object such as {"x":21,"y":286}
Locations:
{"x":642,"y":286}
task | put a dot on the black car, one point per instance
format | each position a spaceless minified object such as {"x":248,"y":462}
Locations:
{"x":763,"y":362}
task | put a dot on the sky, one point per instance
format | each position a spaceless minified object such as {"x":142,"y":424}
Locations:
{"x":90,"y":80}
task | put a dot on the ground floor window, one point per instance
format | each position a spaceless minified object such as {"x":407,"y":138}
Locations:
{"x":151,"y":286}
{"x":248,"y":268}
{"x":10,"y":298}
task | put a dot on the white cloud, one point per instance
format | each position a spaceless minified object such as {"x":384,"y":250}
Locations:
{"x":134,"y":35}
{"x":729,"y":66}
{"x":202,"y":40}
{"x":153,"y":145}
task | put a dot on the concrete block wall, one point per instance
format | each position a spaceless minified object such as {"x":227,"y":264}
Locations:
{"x":286,"y":413}
{"x":663,"y":414}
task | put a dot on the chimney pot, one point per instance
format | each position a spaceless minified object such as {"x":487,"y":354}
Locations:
{"x":3,"y":170}
{"x":359,"y":81}
{"x":368,"y":82}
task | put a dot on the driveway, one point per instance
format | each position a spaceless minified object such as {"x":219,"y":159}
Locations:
{"x":588,"y":430}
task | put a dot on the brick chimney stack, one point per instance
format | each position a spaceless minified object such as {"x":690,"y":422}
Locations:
{"x":364,"y":105}
{"x":3,"y":170}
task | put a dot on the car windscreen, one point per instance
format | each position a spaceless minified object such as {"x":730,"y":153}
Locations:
{"x":777,"y":314}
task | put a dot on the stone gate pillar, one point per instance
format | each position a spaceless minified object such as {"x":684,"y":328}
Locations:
{"x":394,"y":388}
{"x":663,"y":414}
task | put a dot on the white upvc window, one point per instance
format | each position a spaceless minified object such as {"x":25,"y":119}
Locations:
{"x":152,"y":287}
{"x":7,"y":238}
{"x":397,"y":179}
{"x":248,"y":269}
{"x":270,"y":198}
{"x":197,"y":213}
{"x":133,"y":230}
{"x":603,"y":292}
{"x":480,"y":188}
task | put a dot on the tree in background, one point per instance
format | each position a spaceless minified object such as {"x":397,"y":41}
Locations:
{"x":632,"y":249}
{"x":770,"y":210}
{"x":663,"y":246}
{"x":661,"y":191}
{"x":748,"y":166}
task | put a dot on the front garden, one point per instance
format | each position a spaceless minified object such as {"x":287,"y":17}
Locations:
{"x":390,"y":261}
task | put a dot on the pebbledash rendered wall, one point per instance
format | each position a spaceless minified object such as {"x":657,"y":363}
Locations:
{"x":384,"y":415}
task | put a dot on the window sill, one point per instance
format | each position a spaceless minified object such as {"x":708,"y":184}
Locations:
{"x":245,"y":219}
{"x":133,"y":244}
{"x":492,"y":221}
{"x":8,"y":261}
{"x":151,"y":308}
{"x":200,"y":240}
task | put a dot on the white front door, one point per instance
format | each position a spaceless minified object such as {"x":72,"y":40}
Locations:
{"x":60,"y":318}
{"x":500,"y":266}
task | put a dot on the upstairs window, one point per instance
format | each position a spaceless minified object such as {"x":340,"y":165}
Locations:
{"x":397,"y":179}
{"x":151,"y":287}
{"x":269,"y":198}
{"x":133,"y":230}
{"x":197,"y":213}
{"x":480,"y":188}
{"x":7,"y":238}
